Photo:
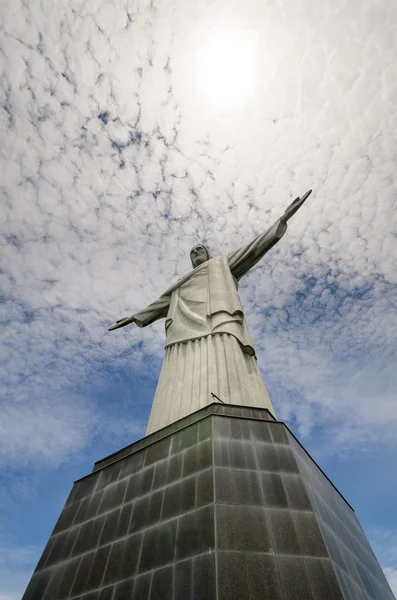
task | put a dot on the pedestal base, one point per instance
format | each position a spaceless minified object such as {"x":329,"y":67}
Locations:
{"x":224,"y":504}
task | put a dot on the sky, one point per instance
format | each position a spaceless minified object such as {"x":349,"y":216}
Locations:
{"x":132,"y":130}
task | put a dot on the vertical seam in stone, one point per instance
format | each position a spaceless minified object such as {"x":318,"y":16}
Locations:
{"x":225,"y":342}
{"x":184,"y":347}
{"x":263,"y":390}
{"x":219,"y":366}
{"x":240,"y":373}
{"x":193,"y":393}
{"x":212,"y":380}
{"x":175,"y":358}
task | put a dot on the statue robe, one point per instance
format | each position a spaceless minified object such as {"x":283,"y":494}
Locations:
{"x":208,"y":345}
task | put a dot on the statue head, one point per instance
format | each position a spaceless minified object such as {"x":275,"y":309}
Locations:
{"x":199,"y":254}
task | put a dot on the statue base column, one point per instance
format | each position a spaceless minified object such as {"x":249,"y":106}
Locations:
{"x":224,"y":504}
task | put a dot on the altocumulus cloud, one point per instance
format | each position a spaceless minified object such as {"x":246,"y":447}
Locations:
{"x":115,"y":165}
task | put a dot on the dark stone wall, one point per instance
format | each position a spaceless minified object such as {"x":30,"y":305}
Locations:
{"x":225,"y":508}
{"x":357,"y":568}
{"x":267,"y":533}
{"x":138,"y":528}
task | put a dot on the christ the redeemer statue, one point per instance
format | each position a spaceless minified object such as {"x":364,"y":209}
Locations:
{"x":208,"y":348}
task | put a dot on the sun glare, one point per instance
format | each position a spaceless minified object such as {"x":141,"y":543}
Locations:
{"x":226,"y":66}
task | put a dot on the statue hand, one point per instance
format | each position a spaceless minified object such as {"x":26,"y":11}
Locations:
{"x":294,"y":207}
{"x":122,"y":323}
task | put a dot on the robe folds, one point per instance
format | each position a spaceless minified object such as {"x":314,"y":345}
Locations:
{"x":208,"y":347}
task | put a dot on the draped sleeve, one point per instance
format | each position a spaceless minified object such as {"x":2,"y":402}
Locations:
{"x":243,"y":259}
{"x":159,"y":308}
{"x":156,"y":310}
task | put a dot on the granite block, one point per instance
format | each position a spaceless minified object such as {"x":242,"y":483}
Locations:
{"x":195,"y":534}
{"x":204,"y":579}
{"x":242,"y":528}
{"x":295,"y":583}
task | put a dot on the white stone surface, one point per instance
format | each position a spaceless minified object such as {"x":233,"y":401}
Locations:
{"x":204,"y":307}
{"x":192,"y":370}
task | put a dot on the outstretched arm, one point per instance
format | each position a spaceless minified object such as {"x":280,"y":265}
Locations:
{"x":146,"y":316}
{"x":121,"y":323}
{"x":156,"y":310}
{"x":243,"y":259}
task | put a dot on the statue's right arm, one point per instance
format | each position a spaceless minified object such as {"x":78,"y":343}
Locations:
{"x":156,"y":310}
{"x":121,"y":323}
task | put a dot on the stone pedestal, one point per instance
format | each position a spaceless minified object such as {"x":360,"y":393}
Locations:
{"x":224,"y":504}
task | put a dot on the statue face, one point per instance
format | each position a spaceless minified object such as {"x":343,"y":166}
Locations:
{"x":198,"y":255}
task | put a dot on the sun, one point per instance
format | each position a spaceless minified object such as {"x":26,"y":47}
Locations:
{"x":226,"y":66}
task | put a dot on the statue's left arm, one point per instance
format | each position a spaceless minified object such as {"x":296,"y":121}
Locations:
{"x":243,"y":259}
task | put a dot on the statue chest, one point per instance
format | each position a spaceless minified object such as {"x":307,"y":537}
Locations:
{"x":196,"y":288}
